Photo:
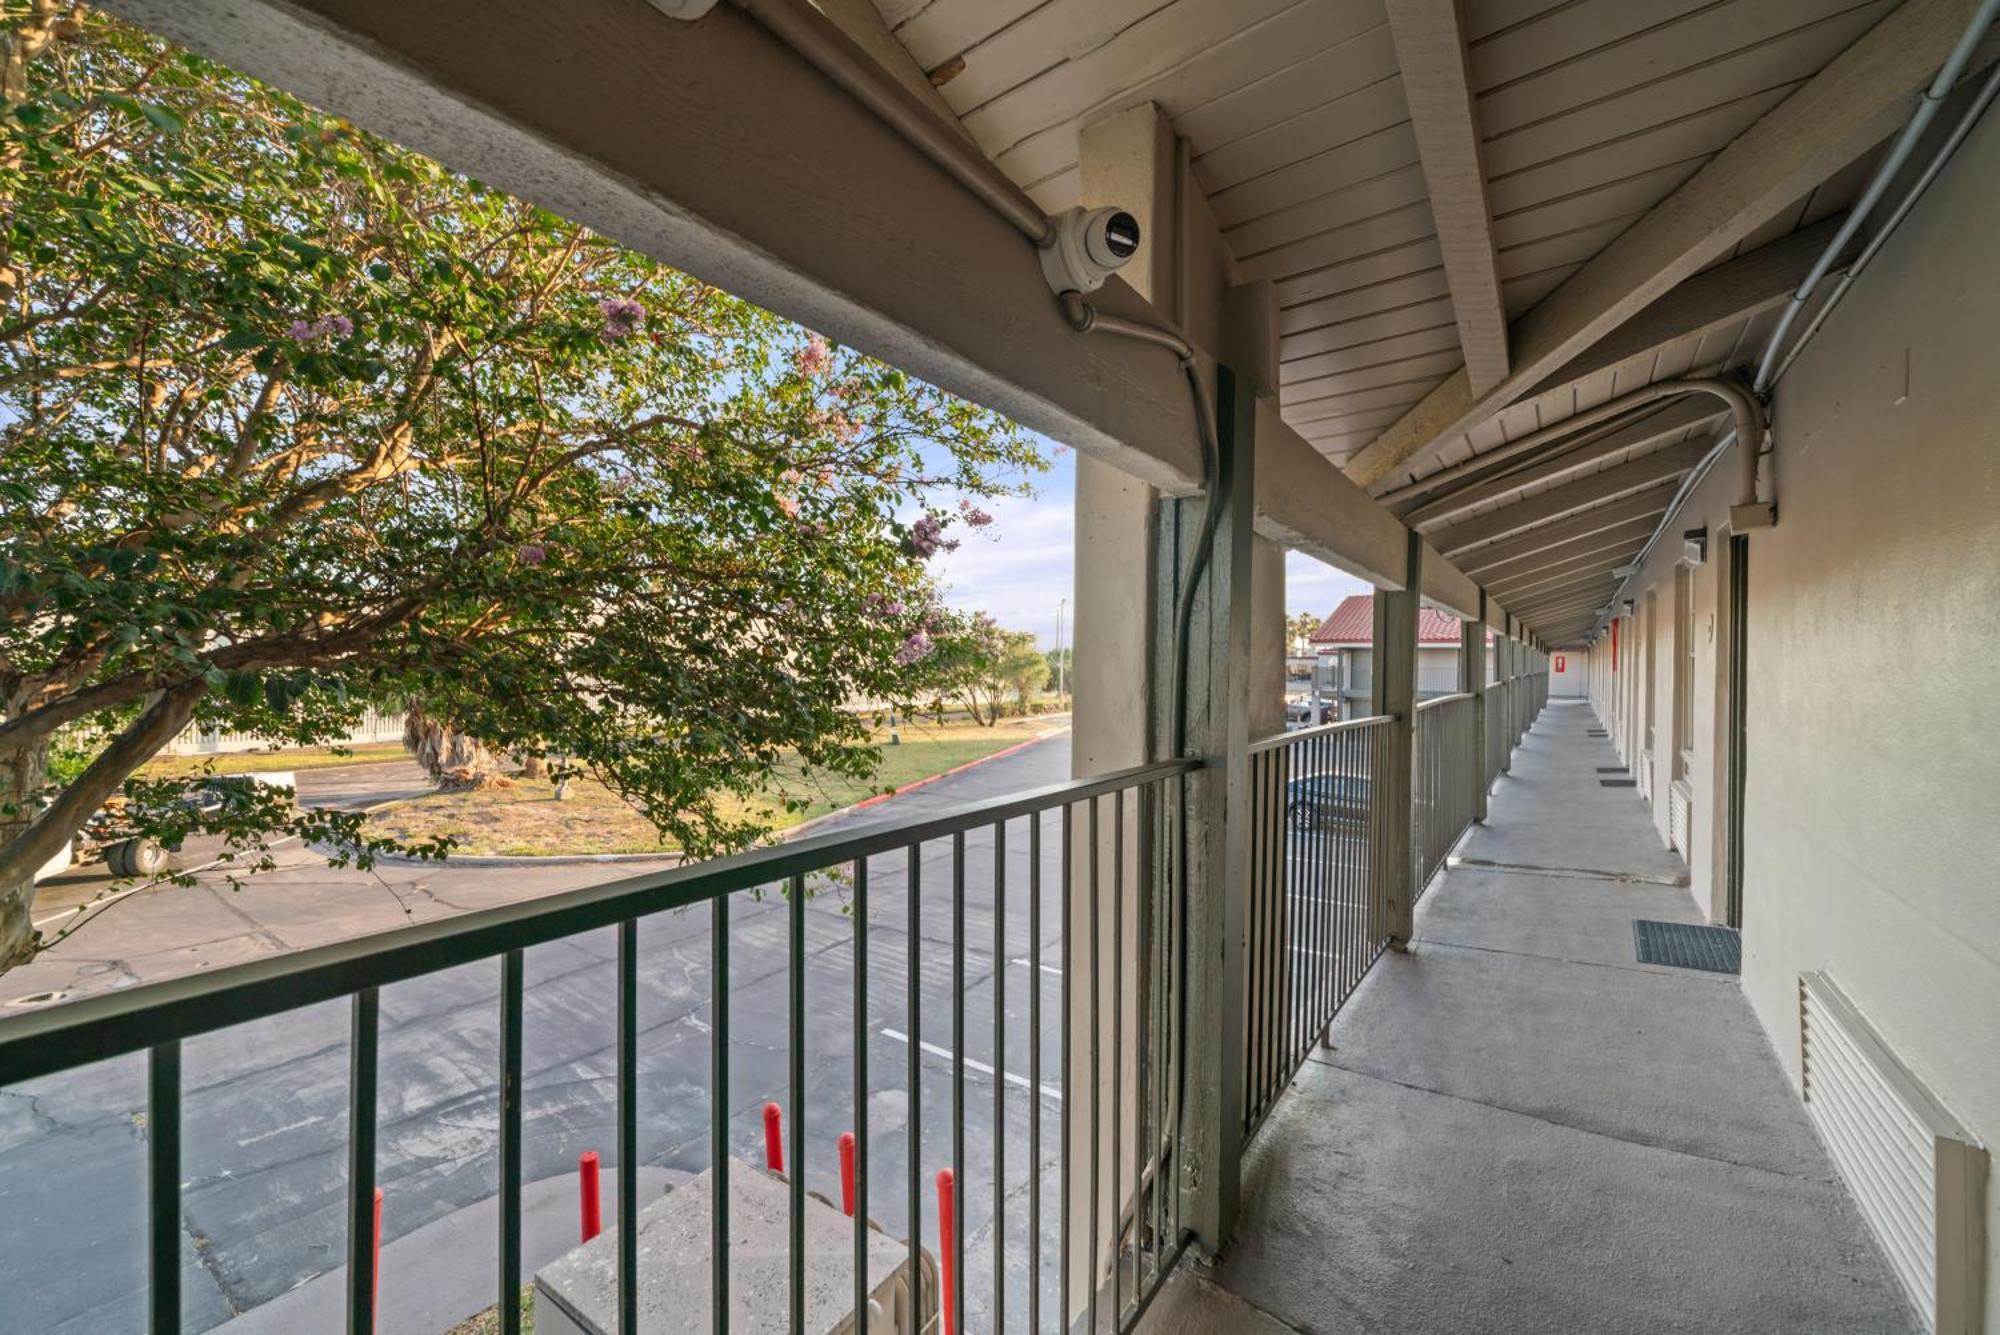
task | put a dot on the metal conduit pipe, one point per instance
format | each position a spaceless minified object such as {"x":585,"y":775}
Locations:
{"x":822,"y":44}
{"x":1899,"y":153}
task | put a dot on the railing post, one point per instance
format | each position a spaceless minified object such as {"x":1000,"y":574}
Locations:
{"x":1210,"y":834}
{"x":1394,"y":692}
{"x":1472,"y":678}
{"x":1503,"y":670}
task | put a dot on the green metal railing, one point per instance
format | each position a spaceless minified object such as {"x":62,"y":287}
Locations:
{"x":1313,"y":920}
{"x":1074,"y":830}
{"x":1444,"y":770}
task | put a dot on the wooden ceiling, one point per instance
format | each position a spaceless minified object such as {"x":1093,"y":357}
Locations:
{"x":1544,"y":130}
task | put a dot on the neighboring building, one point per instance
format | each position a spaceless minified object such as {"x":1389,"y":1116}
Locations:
{"x":1345,"y":646}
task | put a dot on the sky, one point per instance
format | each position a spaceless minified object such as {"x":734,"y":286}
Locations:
{"x":1023,"y":568}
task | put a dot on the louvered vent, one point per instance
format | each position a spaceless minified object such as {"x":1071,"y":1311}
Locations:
{"x":1680,"y":798}
{"x":1918,"y":1179}
{"x":1645,"y":775}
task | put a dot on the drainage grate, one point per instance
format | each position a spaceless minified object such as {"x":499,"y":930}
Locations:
{"x":1680,"y":945}
{"x":1619,"y":783}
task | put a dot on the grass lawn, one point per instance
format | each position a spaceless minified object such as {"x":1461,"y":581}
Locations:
{"x":527,"y":820}
{"x":263,"y":762}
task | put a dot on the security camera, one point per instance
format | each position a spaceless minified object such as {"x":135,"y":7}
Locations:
{"x":1089,"y":246}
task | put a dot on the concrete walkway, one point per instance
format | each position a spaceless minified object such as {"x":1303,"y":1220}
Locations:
{"x":1522,"y":1129}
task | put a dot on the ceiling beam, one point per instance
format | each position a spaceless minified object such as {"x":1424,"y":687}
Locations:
{"x":1622,"y":535}
{"x":714,"y":147}
{"x":1596,"y":563}
{"x":1720,"y":295}
{"x":1577,"y":603}
{"x":1553,"y":587}
{"x":1570,"y":497}
{"x":1430,"y":51}
{"x":1567,"y":459}
{"x":1646,"y":505}
{"x":1828,"y":121}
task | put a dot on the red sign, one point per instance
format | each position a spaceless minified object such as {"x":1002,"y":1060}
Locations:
{"x":1559,"y":664}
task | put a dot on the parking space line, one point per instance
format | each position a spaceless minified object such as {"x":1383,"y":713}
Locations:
{"x":898,"y":1036}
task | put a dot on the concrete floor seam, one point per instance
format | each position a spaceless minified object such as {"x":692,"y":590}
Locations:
{"x":1568,"y":873}
{"x":1676,"y":976}
{"x":1569,"y":1126}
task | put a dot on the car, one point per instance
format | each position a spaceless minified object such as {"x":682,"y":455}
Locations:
{"x":1299,"y":713}
{"x":1326,"y":801}
{"x":109,"y":831}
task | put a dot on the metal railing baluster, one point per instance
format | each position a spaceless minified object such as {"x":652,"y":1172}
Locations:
{"x":1064,"y":1259}
{"x":362,"y":1058}
{"x":1096,"y":1077}
{"x":795,"y":1099}
{"x":861,"y":1096}
{"x":1117,"y":1049}
{"x":513,"y":968}
{"x":628,"y":1127}
{"x":958,"y":1080}
{"x":1035,"y":1073}
{"x":1000,"y":1076}
{"x":718,"y":1115}
{"x":914,"y":1139}
{"x":163,"y":1186}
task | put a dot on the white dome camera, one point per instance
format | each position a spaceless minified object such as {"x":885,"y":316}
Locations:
{"x":1089,"y":246}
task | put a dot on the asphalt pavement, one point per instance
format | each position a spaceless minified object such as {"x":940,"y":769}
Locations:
{"x":265,"y":1106}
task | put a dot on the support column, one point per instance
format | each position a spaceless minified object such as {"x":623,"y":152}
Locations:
{"x":1472,"y":678}
{"x":1394,"y":692}
{"x":1216,"y":821}
{"x":1503,"y":670}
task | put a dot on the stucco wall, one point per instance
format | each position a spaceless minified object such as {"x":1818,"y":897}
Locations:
{"x":1872,"y":823}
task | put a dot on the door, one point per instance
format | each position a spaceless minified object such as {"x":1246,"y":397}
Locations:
{"x":1732,"y":677}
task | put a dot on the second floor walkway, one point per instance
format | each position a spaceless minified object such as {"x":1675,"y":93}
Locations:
{"x":1521,"y":1128}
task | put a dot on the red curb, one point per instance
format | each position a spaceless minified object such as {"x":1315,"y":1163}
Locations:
{"x":955,"y":769}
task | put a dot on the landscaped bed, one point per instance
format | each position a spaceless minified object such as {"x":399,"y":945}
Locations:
{"x":263,"y":762}
{"x":525,"y":819}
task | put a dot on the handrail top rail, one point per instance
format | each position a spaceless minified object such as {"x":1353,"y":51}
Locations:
{"x":114,"y":1024}
{"x":1436,"y":700}
{"x":1278,"y":739}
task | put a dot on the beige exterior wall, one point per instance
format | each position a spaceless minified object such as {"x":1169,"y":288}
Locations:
{"x":1872,"y":825}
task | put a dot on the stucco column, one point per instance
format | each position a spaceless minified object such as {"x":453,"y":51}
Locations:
{"x":1472,"y":678}
{"x":1394,"y":692}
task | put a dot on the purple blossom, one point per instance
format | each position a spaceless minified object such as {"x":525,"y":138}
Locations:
{"x":913,"y":649}
{"x":814,"y":358}
{"x":926,"y":536}
{"x":880,"y":607}
{"x":621,"y":316}
{"x":299,"y":331}
{"x":977,"y":517}
{"x":532,"y":553}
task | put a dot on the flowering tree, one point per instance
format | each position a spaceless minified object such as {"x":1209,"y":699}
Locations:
{"x":977,"y":664}
{"x":293,"y":419}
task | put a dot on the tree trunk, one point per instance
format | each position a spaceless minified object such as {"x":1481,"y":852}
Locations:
{"x":22,"y":776}
{"x":455,"y":761}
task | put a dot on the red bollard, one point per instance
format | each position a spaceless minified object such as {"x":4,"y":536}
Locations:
{"x":375,"y":1303}
{"x":774,"y":1138}
{"x":588,"y":1193}
{"x":946,"y":1252}
{"x":847,"y":1173}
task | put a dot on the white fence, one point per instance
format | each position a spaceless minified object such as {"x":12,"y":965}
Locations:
{"x":375,"y":726}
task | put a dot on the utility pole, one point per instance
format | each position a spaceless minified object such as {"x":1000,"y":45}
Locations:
{"x":1062,"y":605}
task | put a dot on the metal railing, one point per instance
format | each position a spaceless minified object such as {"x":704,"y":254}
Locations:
{"x":1014,"y":880}
{"x":1441,"y":781}
{"x":1313,"y":923}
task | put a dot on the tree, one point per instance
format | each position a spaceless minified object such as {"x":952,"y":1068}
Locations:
{"x":1300,"y":627}
{"x":1022,"y":665}
{"x":976,"y":663}
{"x":294,"y":419}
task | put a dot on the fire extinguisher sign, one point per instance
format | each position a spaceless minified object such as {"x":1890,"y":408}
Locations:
{"x":1560,"y":661}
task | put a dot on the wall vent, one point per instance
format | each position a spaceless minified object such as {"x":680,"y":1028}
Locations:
{"x":1644,"y":771}
{"x":1918,"y":1178}
{"x":1680,"y":801}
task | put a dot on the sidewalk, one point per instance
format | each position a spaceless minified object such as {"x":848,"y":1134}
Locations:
{"x":1521,"y":1129}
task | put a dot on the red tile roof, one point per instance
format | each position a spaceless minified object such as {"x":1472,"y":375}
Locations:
{"x":1353,"y":623}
